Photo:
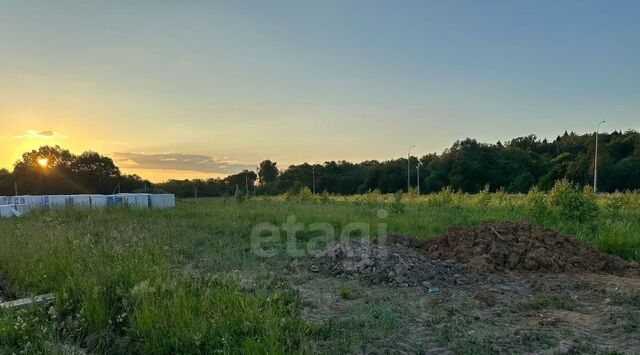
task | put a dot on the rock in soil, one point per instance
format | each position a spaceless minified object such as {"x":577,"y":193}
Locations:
{"x":519,"y":246}
{"x":389,"y":264}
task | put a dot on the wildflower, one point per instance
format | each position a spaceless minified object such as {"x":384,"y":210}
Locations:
{"x":142,"y":288}
{"x":52,"y":312}
{"x":120,"y":318}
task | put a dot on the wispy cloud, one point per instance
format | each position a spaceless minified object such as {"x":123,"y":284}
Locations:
{"x":47,"y":134}
{"x":180,"y":161}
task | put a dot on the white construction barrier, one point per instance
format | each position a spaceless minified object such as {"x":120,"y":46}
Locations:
{"x":98,"y":202}
{"x":7,"y":211}
{"x":22,"y":209}
{"x":115,"y":201}
{"x":138,"y":201}
{"x":162,"y":201}
{"x":18,"y":200}
{"x":10,"y":211}
{"x":35,"y":202}
{"x":79,"y":201}
{"x":54,"y":201}
{"x":15,"y":206}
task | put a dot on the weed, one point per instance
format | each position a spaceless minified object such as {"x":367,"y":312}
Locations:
{"x":347,"y":292}
{"x":537,"y":204}
{"x":573,"y":205}
{"x":397,"y":206}
{"x":550,"y":303}
{"x":118,"y":274}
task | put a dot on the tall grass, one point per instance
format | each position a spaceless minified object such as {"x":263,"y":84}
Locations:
{"x":162,"y":281}
{"x":119,"y":286}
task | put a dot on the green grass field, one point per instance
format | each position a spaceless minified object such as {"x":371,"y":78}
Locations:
{"x":171,"y":281}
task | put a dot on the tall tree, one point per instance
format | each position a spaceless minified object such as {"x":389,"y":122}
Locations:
{"x":267,"y":172}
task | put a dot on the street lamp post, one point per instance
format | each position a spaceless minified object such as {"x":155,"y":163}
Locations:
{"x":595,"y":161}
{"x":418,"y":173}
{"x":409,"y":169}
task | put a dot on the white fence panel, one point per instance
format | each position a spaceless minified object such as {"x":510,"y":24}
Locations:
{"x":162,"y":201}
{"x":35,"y":202}
{"x":79,"y":201}
{"x":15,"y":206}
{"x":55,"y":201}
{"x":138,"y":201}
{"x":98,"y":202}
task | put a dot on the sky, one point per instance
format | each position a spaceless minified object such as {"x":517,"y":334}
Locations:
{"x":196,"y":89}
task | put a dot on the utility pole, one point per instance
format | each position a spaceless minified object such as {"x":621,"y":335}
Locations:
{"x":15,"y":185}
{"x":409,"y":169}
{"x":246,"y":182}
{"x":313,"y":172}
{"x":195,"y":192}
{"x":595,"y":161}
{"x":418,"y":171}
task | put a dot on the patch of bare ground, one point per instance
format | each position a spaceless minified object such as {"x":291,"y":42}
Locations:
{"x":523,"y":290}
{"x":7,"y":291}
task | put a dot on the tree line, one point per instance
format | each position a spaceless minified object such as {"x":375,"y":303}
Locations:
{"x":54,"y":170}
{"x":468,"y":166}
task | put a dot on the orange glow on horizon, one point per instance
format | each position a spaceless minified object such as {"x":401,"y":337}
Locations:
{"x":162,"y":175}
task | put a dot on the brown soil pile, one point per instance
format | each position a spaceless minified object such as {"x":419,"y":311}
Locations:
{"x":518,"y":246}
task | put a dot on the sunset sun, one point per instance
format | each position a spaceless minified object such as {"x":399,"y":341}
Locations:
{"x":43,"y":162}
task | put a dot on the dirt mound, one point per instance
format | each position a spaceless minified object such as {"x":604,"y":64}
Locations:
{"x":519,"y":246}
{"x":389,"y":264}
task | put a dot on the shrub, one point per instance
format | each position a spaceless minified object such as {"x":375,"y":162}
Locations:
{"x":536,"y":202}
{"x":325,"y":196}
{"x":616,"y":202}
{"x":573,"y":205}
{"x":413,"y":194}
{"x":619,"y":201}
{"x":289,"y":196}
{"x":444,"y":197}
{"x":483,"y":198}
{"x":397,"y":205}
{"x":370,"y":198}
{"x":305,"y":194}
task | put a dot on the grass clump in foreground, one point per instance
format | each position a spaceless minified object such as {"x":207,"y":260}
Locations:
{"x":118,"y":285}
{"x":159,"y":281}
{"x":212,"y":316}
